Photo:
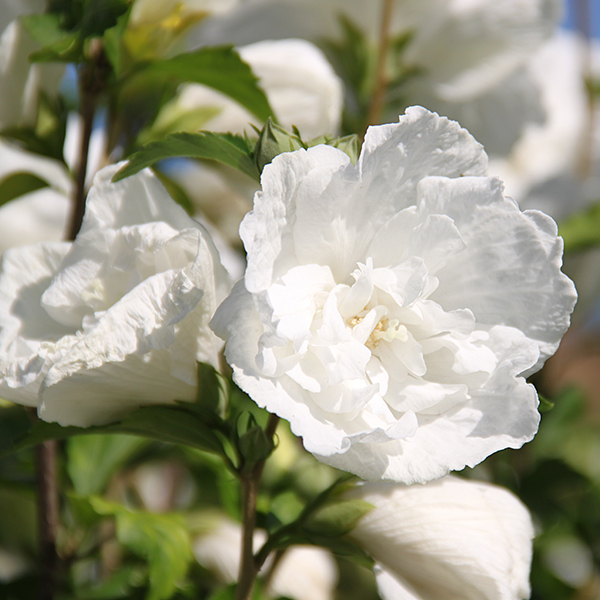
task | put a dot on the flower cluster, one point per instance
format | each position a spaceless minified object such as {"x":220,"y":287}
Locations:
{"x":392,"y":301}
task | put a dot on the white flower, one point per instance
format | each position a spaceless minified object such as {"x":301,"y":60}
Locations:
{"x":116,"y":319}
{"x":463,"y":47}
{"x":301,"y":86}
{"x":390,"y":308}
{"x":304,"y":572}
{"x":451,"y":538}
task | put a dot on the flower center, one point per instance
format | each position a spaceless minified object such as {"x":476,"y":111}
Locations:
{"x":386,"y":330}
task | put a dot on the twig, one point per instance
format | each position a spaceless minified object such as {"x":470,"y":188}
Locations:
{"x":250,"y":485}
{"x":47,"y":516}
{"x":583,"y":19}
{"x":91,"y":85}
{"x":381,"y":79}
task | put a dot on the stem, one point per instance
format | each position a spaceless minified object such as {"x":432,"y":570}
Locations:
{"x":274,"y":564}
{"x":47,"y":516}
{"x":381,"y":80}
{"x":250,"y":485}
{"x":91,"y":85}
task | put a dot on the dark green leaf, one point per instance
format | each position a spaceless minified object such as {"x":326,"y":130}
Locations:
{"x":176,"y":424}
{"x":93,"y":459}
{"x":112,"y":42}
{"x":170,"y":424}
{"x":222,"y":69}
{"x":582,"y":230}
{"x":233,"y":150}
{"x":100,"y":15}
{"x":254,"y":445}
{"x":15,"y":423}
{"x":211,"y":393}
{"x":17,"y":184}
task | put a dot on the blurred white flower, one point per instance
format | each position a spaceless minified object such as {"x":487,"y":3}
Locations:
{"x":464,"y":47}
{"x":543,"y":169}
{"x":116,"y":319}
{"x":390,"y":309}
{"x":20,"y":81}
{"x":301,"y":86}
{"x":451,"y":538}
{"x":304,"y":572}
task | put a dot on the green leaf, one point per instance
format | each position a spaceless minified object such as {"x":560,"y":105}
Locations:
{"x":164,"y":542}
{"x":17,"y":184}
{"x":100,"y":15}
{"x":46,"y":29}
{"x":15,"y":423}
{"x":211,"y":392}
{"x":170,"y":424}
{"x":233,"y":150}
{"x":222,"y":69}
{"x":254,"y":445}
{"x":582,"y":230}
{"x":161,"y":539}
{"x":545,"y":404}
{"x":337,"y":519}
{"x":112,"y":42}
{"x":272,"y":141}
{"x":118,"y":585}
{"x":93,"y":459}
{"x":177,"y":424}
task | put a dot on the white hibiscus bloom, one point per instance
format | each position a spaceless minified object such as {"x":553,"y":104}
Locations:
{"x":389,"y":309}
{"x":301,"y":86}
{"x":451,"y":538}
{"x":304,"y":572}
{"x":116,"y":319}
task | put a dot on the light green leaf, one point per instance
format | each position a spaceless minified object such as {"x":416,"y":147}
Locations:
{"x":18,"y":184}
{"x":222,"y":69}
{"x":582,"y":230}
{"x":161,"y":539}
{"x":44,"y":28}
{"x":164,"y":542}
{"x":93,"y":459}
{"x":227,"y":148}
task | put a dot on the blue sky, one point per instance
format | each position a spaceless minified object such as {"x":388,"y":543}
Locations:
{"x":595,"y":15}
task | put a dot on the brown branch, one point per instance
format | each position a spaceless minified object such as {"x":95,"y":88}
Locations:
{"x":47,"y":497}
{"x":381,"y":78}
